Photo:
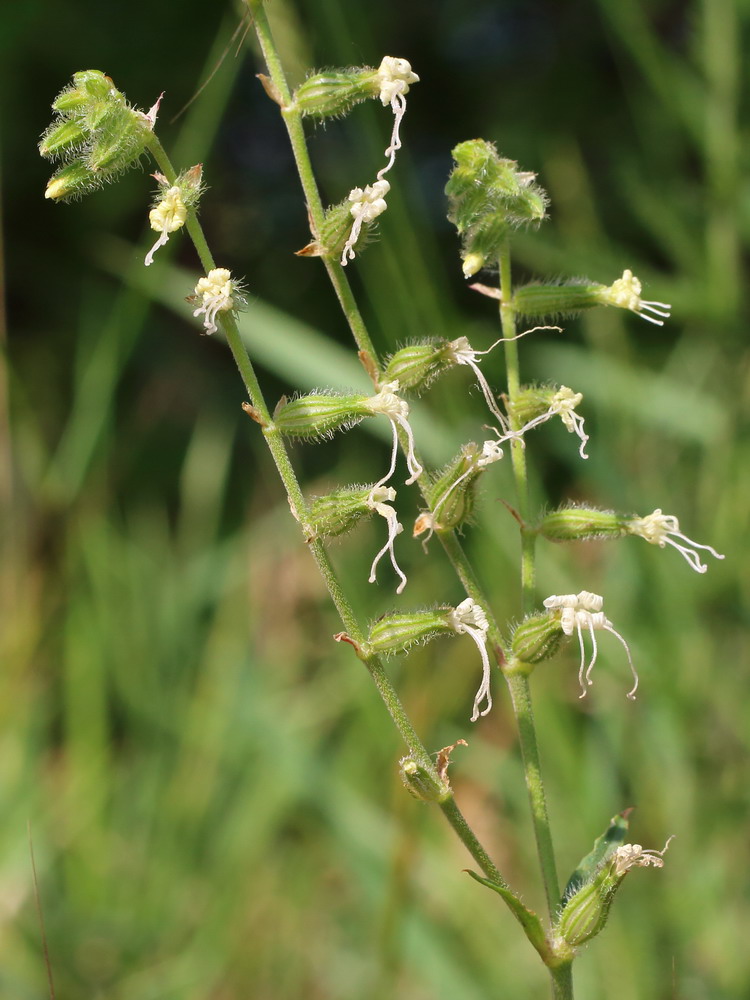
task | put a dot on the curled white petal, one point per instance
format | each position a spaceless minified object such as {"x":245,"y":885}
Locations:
{"x":664,"y":529}
{"x":397,"y":410}
{"x":469,"y":618}
{"x":629,"y":856}
{"x":366,"y":205}
{"x":377,"y":502}
{"x":166,"y":217}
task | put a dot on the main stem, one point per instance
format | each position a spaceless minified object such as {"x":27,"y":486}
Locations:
{"x":519,"y":683}
{"x":299,"y":509}
{"x":295,"y":129}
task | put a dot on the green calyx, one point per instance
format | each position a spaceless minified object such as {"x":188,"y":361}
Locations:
{"x":319,"y":414}
{"x":416,"y":366}
{"x":335,"y":92}
{"x":536,"y":638}
{"x":582,"y":523}
{"x":338,"y":512}
{"x":397,"y":633}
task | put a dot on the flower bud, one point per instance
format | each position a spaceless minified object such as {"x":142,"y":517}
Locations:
{"x":488,"y":197}
{"x":71,"y":181}
{"x":537,"y":638}
{"x":417,"y":365}
{"x":423,"y":784}
{"x":318,"y":414}
{"x":61,"y":138}
{"x":574,"y":523}
{"x":396,"y":633}
{"x":96,"y":131}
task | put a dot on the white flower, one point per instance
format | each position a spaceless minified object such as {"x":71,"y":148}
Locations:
{"x":470,"y":619}
{"x":217,"y":294}
{"x":626,"y":294}
{"x":367,"y":205}
{"x":563,"y":404}
{"x":395,"y":77}
{"x":461,"y":352}
{"x":629,"y":856}
{"x":664,"y":529}
{"x":376,"y":501}
{"x":397,"y":410}
{"x":166,"y":217}
{"x":584,"y":610}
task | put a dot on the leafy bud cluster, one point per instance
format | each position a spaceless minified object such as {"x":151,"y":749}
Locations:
{"x":488,"y":197}
{"x":96,"y":134}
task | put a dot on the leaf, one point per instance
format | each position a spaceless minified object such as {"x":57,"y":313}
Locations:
{"x":530,"y":922}
{"x":604,"y":847}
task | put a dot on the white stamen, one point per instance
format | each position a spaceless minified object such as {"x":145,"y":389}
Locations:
{"x":469,"y":618}
{"x":626,"y":294}
{"x":664,"y":529}
{"x":367,"y":205}
{"x":217,"y":291}
{"x":376,"y":501}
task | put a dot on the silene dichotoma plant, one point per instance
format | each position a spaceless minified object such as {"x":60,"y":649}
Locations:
{"x":96,"y":135}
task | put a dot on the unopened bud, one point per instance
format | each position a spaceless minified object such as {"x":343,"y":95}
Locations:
{"x":397,"y":633}
{"x":537,"y":638}
{"x":423,"y":784}
{"x":581,"y":523}
{"x":62,"y":138}
{"x":488,"y":197}
{"x":71,"y":181}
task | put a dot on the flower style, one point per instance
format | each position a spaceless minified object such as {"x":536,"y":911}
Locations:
{"x":470,"y":619}
{"x":462,"y":353}
{"x":626,"y":294}
{"x":367,"y":205}
{"x":166,"y":217}
{"x":376,"y":501}
{"x":563,"y":404}
{"x":584,"y":610}
{"x":664,"y":529}
{"x":397,"y":410}
{"x":217,"y":293}
{"x":395,"y":77}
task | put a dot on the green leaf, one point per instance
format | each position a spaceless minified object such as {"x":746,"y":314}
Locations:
{"x":604,"y":847}
{"x":530,"y":922}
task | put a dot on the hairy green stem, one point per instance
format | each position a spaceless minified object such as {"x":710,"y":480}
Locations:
{"x":519,"y":683}
{"x":562,"y":982}
{"x":295,"y":129}
{"x":280,"y":455}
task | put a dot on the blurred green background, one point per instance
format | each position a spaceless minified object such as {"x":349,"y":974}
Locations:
{"x":210,"y":781}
